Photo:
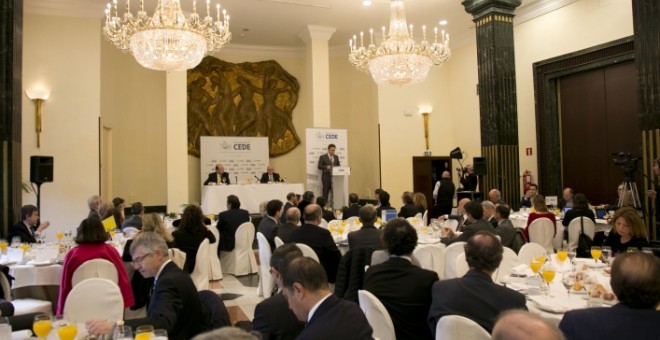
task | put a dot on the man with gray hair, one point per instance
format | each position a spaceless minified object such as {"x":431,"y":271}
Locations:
{"x":292,"y":221}
{"x":174,"y":306}
{"x":368,"y":236}
{"x":489,"y":212}
{"x":94,"y":203}
{"x":521,"y":325}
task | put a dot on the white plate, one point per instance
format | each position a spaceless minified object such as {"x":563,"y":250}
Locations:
{"x":578,"y":292}
{"x":596,"y":264}
{"x":40,"y":263}
{"x":552,"y":309}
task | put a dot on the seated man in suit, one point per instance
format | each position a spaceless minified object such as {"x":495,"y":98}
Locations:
{"x":526,"y":200}
{"x":353,"y":208}
{"x":409,"y":209}
{"x":174,"y":305}
{"x":219,"y":176}
{"x":407,"y":307}
{"x":269,"y":223}
{"x":505,"y":228}
{"x":521,"y":325}
{"x":635,"y":281}
{"x":320,"y":240}
{"x":473,"y":223}
{"x":305,"y":287}
{"x":328,"y":215}
{"x":383,"y":203}
{"x":291,"y":201}
{"x":566,"y":200}
{"x":228,"y":221}
{"x":269,"y":176}
{"x":135,"y":221}
{"x":460,"y":214}
{"x":272,"y":317}
{"x":292,"y":220}
{"x":475,"y":295}
{"x":307,"y":199}
{"x":489,"y":213}
{"x":495,"y":196}
{"x":27,"y":227}
{"x":368,"y":235}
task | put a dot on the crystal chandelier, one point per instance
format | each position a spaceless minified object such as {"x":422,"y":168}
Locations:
{"x":167,"y":41}
{"x":399,"y":60}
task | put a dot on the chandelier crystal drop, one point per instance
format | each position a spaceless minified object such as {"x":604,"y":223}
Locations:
{"x":167,"y":41}
{"x":399,"y":60}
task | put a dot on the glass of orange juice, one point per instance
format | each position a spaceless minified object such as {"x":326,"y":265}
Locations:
{"x":144,"y":332}
{"x":3,"y":246}
{"x":65,"y":330}
{"x":541,"y":259}
{"x":59,"y":235}
{"x":42,"y":326}
{"x":562,"y":255}
{"x":535,"y":266}
{"x":25,"y":247}
{"x":548,"y":274}
{"x":596,"y":253}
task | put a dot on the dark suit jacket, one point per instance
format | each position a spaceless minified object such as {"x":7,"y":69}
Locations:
{"x":228,"y":222}
{"x":189,"y":243}
{"x":379,"y":210}
{"x":352,"y":210}
{"x":408,"y":210}
{"x":367,"y":236}
{"x":134,"y":221}
{"x":94,"y":213}
{"x":526,"y":202}
{"x":474,"y":296}
{"x":264,"y":177}
{"x":326,"y":175}
{"x":286,"y":207}
{"x":470,"y":230}
{"x":408,"y":307}
{"x":268,"y":227}
{"x":616,"y":322}
{"x":213,"y":178}
{"x":21,"y":230}
{"x":469,"y":182}
{"x":301,"y":207}
{"x":284,"y":231}
{"x":337,"y":319}
{"x":492,"y":221}
{"x":324,"y":246}
{"x":329,"y":215}
{"x":174,"y":305}
{"x":275,"y":321}
{"x":507,"y":232}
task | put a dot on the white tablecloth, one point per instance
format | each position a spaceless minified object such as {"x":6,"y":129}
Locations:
{"x":520,"y":221}
{"x":214,"y":197}
{"x":29,"y":275}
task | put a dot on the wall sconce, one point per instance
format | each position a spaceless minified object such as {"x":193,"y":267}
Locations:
{"x":38,"y":96}
{"x":425,"y":111}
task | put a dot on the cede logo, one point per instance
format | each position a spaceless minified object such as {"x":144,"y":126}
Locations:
{"x":331,"y":136}
{"x":240,"y":146}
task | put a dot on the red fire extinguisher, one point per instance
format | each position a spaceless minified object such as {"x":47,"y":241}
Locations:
{"x":526,"y":180}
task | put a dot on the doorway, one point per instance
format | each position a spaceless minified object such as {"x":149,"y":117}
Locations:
{"x":427,"y":171}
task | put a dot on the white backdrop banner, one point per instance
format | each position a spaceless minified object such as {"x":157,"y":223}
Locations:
{"x":317,"y":144}
{"x":242,"y":157}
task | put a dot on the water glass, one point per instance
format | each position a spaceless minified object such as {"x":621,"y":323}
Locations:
{"x":15,"y":241}
{"x":606,"y":253}
{"x":126,"y":333}
{"x":160,"y":334}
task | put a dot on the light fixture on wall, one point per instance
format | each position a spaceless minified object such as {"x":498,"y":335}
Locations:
{"x":167,"y":41}
{"x":38,"y":96}
{"x":399,"y":60}
{"x":425,"y":111}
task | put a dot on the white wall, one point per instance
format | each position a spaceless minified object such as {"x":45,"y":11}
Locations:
{"x":63,"y":56}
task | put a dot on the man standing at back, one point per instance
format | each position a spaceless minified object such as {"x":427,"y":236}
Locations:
{"x":326,"y":163}
{"x":228,"y":221}
{"x":443,"y":194}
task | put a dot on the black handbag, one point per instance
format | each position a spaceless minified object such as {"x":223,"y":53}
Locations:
{"x":584,"y":242}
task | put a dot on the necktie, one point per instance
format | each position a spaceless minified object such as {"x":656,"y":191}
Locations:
{"x":270,"y":177}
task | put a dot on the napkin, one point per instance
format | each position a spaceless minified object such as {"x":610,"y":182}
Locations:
{"x":15,"y":255}
{"x":21,"y":335}
{"x":549,"y":304}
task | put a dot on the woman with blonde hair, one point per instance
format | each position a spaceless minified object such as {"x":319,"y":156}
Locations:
{"x":628,"y":231}
{"x":153,"y":222}
{"x":540,"y":211}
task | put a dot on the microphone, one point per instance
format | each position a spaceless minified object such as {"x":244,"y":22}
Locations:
{"x":236,"y":179}
{"x":257,"y":178}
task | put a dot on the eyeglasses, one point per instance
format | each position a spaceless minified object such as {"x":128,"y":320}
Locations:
{"x":139,"y":260}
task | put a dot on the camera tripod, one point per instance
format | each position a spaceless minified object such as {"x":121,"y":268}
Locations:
{"x":630,"y":189}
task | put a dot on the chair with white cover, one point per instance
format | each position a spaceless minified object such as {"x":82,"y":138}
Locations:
{"x":278,"y":242}
{"x":241,"y":260}
{"x":419,"y":215}
{"x":509,"y":261}
{"x":324,"y":224}
{"x":574,"y":230}
{"x":542,"y":231}
{"x":308,"y":251}
{"x":458,"y":327}
{"x":461,"y":267}
{"x":351,"y":220}
{"x":451,"y":253}
{"x":529,"y":251}
{"x":200,"y":274}
{"x":451,"y":224}
{"x":85,"y":299}
{"x":177,"y":256}
{"x":266,"y":282}
{"x":377,"y":316}
{"x":24,"y":306}
{"x":96,"y":268}
{"x":431,"y":257}
{"x":215,"y":269}
{"x":559,"y":236}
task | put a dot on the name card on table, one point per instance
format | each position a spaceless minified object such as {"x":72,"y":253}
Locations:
{"x":45,"y":252}
{"x":14,"y":255}
{"x":551,"y":201}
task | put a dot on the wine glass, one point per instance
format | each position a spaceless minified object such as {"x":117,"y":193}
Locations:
{"x":590,"y":283}
{"x":562,"y":254}
{"x":568,"y":279}
{"x":123,"y":333}
{"x":535,"y":266}
{"x":3,"y":246}
{"x":160,"y":334}
{"x":144,"y":332}
{"x":59,"y":235}
{"x":607,"y":252}
{"x":42,"y":326}
{"x":596,"y":253}
{"x":548,"y":274}
{"x":65,"y":330}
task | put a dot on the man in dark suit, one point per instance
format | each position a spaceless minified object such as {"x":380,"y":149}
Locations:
{"x":94,"y":204}
{"x":326,"y":162}
{"x":174,"y":305}
{"x":269,"y":176}
{"x":505,"y":228}
{"x":473,"y":224}
{"x":135,"y":221}
{"x":383,"y":203}
{"x":635,"y":281}
{"x":489,"y":213}
{"x":305,"y":287}
{"x":291,"y":201}
{"x":228,"y":221}
{"x":353,"y":208}
{"x":27,"y":227}
{"x":292,"y":219}
{"x":320,"y":240}
{"x":219,"y":176}
{"x":269,"y":223}
{"x":495,"y":196}
{"x":368,"y":236}
{"x":328,"y":215}
{"x":307,"y":199}
{"x":272,"y":317}
{"x":468,"y":179}
{"x":460,"y":214}
{"x":526,"y":200}
{"x":475,"y":295}
{"x":409,"y":209}
{"x":407,"y":307}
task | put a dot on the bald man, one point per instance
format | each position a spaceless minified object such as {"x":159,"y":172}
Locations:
{"x":460,"y":214}
{"x":443,"y":194}
{"x":495,"y":196}
{"x":270,"y":176}
{"x":521,"y":325}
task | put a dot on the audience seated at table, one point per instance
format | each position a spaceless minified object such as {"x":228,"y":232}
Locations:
{"x":566,"y":199}
{"x":408,"y":307}
{"x":383,"y":202}
{"x":26,"y":228}
{"x":420,"y":202}
{"x":580,"y":208}
{"x":228,"y":221}
{"x":135,"y":221}
{"x":506,"y":230}
{"x":174,"y":306}
{"x":473,"y":224}
{"x":307,"y":199}
{"x":635,"y":280}
{"x":540,"y":211}
{"x":94,"y":204}
{"x":460,"y":214}
{"x":495,"y":196}
{"x":120,"y":207}
{"x":305,"y":286}
{"x":368,"y":236}
{"x":353,"y":208}
{"x":190,"y":234}
{"x":522,"y":325}
{"x":629,"y":232}
{"x":489,"y":213}
{"x":328,"y":215}
{"x":269,"y":175}
{"x":526,"y":200}
{"x":90,"y":240}
{"x":291,"y":201}
{"x":272,"y":316}
{"x":475,"y":295}
{"x":292,"y":219}
{"x":269,"y":224}
{"x":409,"y":209}
{"x":377,"y":193}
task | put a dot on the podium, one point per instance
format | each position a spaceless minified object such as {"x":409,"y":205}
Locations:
{"x":339,"y":186}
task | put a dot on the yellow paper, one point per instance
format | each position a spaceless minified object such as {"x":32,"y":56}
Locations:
{"x":109,"y":223}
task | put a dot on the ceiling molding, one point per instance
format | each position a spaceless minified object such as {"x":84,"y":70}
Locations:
{"x":274,"y":51}
{"x":538,"y":9}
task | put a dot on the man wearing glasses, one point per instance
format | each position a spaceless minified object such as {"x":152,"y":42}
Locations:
{"x":174,"y":306}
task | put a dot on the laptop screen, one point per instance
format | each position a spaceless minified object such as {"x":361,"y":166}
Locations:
{"x":567,"y":209}
{"x":600,"y":213}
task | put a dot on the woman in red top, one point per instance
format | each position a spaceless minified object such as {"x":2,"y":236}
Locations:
{"x":540,"y":210}
{"x":91,"y":237}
